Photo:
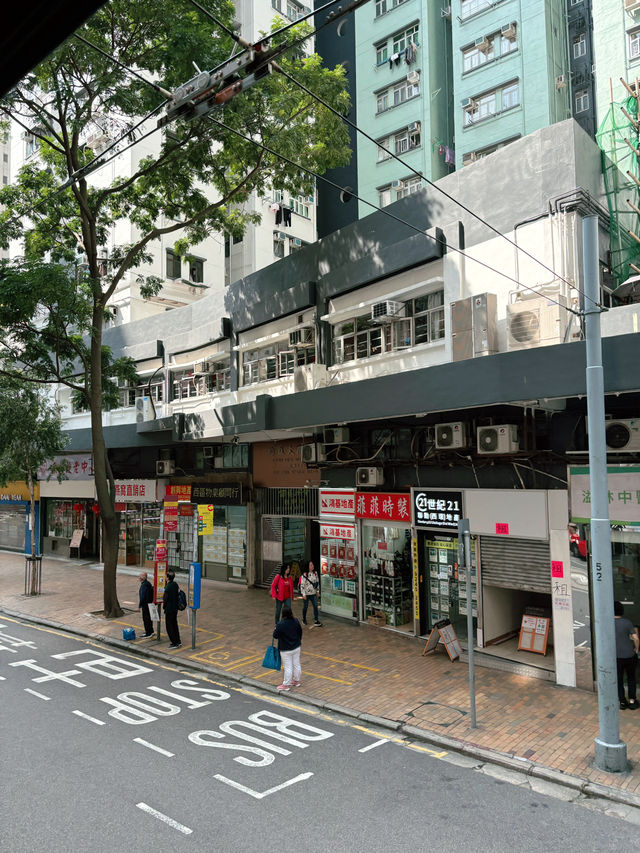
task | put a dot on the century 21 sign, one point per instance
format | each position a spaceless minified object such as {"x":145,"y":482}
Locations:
{"x":436,"y":509}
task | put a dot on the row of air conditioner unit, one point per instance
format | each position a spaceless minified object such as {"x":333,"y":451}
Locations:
{"x":144,"y":409}
{"x":382,"y":312}
{"x":303,"y":337}
{"x":537,"y":322}
{"x":165,"y":467}
{"x":622,"y":436}
{"x":489,"y":439}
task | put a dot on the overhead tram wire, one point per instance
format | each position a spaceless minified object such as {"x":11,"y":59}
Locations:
{"x":383,"y":210}
{"x":359,"y":198}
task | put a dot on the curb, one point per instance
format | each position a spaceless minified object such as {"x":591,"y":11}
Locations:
{"x":592,"y":790}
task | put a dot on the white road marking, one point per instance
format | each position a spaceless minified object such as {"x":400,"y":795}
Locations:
{"x":2,"y":678}
{"x":256,"y":794}
{"x":91,"y":719}
{"x":35,"y":693}
{"x":163,"y":817}
{"x":373,"y":745}
{"x":154,"y":747}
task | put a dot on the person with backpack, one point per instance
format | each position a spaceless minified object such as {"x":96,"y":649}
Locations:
{"x":282,"y":589}
{"x":288,"y":633}
{"x":171,"y":604}
{"x":309,"y":587}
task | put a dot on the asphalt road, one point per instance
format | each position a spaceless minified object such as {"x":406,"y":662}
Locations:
{"x":106,"y":751}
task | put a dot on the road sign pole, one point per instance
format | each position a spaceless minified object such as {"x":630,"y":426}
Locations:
{"x":464,"y":549}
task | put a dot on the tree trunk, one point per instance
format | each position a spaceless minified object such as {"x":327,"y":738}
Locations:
{"x":102,"y":474}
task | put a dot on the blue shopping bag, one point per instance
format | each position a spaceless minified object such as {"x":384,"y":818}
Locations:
{"x":272,"y":658}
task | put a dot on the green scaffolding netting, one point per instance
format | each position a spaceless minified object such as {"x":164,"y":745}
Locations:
{"x":617,"y":160}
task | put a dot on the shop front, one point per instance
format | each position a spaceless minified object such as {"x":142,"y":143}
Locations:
{"x":140,"y":511}
{"x":339,"y":547}
{"x":385,"y":541}
{"x":69,"y":509}
{"x":15,"y":506}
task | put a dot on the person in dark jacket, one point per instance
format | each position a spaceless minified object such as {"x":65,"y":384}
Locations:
{"x":145,"y":598}
{"x":627,"y":644}
{"x":288,"y":633}
{"x":170,"y":604}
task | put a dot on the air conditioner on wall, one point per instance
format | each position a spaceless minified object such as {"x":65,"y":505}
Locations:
{"x":537,"y":322}
{"x":483,"y":44}
{"x":302,"y":337}
{"x":561,"y":81}
{"x":451,"y":436}
{"x":335,"y":435}
{"x":369,"y":476}
{"x":414,"y":127}
{"x":413,"y":77}
{"x":383,"y":311}
{"x":313,"y":453}
{"x":622,"y":436}
{"x":468,"y":103}
{"x":165,"y":467}
{"x":144,"y":409}
{"x":509,"y":30}
{"x":498,"y":439}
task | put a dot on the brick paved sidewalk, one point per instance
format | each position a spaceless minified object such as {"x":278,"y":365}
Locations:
{"x":368,"y":670}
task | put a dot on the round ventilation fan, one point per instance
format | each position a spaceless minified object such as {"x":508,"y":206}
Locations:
{"x":488,"y":438}
{"x":617,"y":436}
{"x":524,"y":327}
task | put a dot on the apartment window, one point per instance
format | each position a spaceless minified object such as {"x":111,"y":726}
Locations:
{"x":215,"y":377}
{"x":126,"y":396}
{"x":383,"y":150}
{"x":5,"y":158}
{"x":384,"y":6}
{"x":155,"y":390}
{"x":277,"y":360}
{"x":196,"y":271}
{"x":384,"y":196}
{"x":582,"y":101}
{"x":482,"y":108}
{"x":382,"y":53}
{"x":382,"y":101}
{"x":409,"y":187}
{"x":401,"y":142}
{"x":473,"y":57}
{"x":278,"y":244}
{"x":31,"y":144}
{"x":293,"y":11}
{"x":507,"y":45}
{"x":634,"y":44}
{"x":174,"y":265}
{"x":402,"y":40}
{"x":300,"y":206}
{"x":5,"y":179}
{"x":472,"y":7}
{"x":579,"y":46}
{"x":511,"y":96}
{"x":405,"y":90}
{"x":183,"y":384}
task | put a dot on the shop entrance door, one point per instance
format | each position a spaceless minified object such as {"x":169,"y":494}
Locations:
{"x":625,"y":560}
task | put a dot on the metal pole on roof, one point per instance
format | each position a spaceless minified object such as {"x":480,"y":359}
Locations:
{"x":610,"y":751}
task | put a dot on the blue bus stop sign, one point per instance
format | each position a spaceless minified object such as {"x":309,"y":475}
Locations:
{"x":195,"y":576}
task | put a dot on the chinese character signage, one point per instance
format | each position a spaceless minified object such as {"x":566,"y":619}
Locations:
{"x":78,"y":466}
{"x":178,"y":493}
{"x":338,"y":502}
{"x":135,"y":491}
{"x":383,"y":507}
{"x":170,"y":516}
{"x":337,"y":531}
{"x":222,"y":494}
{"x":436,"y":509}
{"x":205,"y":519}
{"x":624,"y":494}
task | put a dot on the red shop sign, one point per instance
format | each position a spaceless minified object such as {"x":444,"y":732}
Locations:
{"x":383,"y":506}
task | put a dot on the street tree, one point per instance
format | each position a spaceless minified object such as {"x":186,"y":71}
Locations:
{"x":196,"y":180}
{"x":31,"y":435}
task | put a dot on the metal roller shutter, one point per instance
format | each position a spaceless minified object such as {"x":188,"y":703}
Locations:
{"x":516,"y":563}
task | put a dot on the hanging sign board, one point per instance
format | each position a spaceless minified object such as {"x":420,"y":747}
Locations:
{"x":444,"y":632}
{"x":534,"y":634}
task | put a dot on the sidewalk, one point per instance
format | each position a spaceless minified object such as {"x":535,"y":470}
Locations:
{"x":356,"y":667}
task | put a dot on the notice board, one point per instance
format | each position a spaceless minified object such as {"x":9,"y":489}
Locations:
{"x":444,"y":632}
{"x":534,"y":634}
{"x":76,"y":538}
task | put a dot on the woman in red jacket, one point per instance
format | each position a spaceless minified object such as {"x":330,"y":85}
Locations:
{"x":282,"y":589}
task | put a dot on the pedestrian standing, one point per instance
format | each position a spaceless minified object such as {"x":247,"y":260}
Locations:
{"x":309,"y":588}
{"x":145,"y":598}
{"x":288,"y":633}
{"x":282,"y":589}
{"x":170,"y":604}
{"x":627,"y":643}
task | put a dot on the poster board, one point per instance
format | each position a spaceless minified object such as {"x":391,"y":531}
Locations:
{"x":444,"y":632}
{"x":76,"y":538}
{"x":534,"y":634}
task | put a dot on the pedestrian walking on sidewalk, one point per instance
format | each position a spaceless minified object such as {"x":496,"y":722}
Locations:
{"x":170,"y":604}
{"x":282,"y":589}
{"x":288,"y":633}
{"x":627,"y":644}
{"x":309,"y":587}
{"x":145,"y":598}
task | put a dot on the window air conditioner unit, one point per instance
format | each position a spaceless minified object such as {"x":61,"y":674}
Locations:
{"x":279,"y":235}
{"x":413,"y":77}
{"x":471,"y":157}
{"x":395,"y":185}
{"x":631,"y":5}
{"x":304,"y":337}
{"x":561,"y":81}
{"x":296,"y":241}
{"x":445,"y":12}
{"x":313,"y":453}
{"x":369,"y":476}
{"x":335,"y":435}
{"x":622,"y":436}
{"x":414,"y":127}
{"x":165,"y":467}
{"x":383,"y":311}
{"x":451,"y":436}
{"x":483,"y":44}
{"x":536,"y":322}
{"x":468,"y":104}
{"x":144,"y":409}
{"x":207,"y":452}
{"x":498,"y":439}
{"x":509,"y":30}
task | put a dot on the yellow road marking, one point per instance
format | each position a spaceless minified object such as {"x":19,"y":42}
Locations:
{"x":328,"y":678}
{"x":344,"y":662}
{"x":426,"y":749}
